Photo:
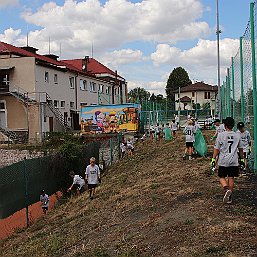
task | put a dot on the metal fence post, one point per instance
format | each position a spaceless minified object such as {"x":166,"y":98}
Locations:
{"x":111,"y":150}
{"x":254,"y":81}
{"x":228,"y":95}
{"x":26,"y":190}
{"x":242,"y":80}
{"x":233,"y":87}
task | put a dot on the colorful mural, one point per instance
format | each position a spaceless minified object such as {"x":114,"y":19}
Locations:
{"x":109,"y":118}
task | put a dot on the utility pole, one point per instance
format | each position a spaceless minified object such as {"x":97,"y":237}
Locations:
{"x":218,"y":54}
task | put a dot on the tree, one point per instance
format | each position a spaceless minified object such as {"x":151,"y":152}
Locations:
{"x":178,"y":78}
{"x":138,"y":94}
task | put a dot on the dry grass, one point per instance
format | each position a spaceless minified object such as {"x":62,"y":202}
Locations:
{"x":154,"y":205}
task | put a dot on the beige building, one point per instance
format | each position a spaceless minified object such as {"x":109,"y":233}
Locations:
{"x":199,"y":94}
{"x":40,"y":94}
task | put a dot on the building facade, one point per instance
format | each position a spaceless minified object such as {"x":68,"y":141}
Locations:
{"x":39,"y":93}
{"x":199,"y":94}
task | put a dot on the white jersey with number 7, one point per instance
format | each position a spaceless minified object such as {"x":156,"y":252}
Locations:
{"x":228,"y":143}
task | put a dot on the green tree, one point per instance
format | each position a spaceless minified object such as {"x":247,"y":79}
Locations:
{"x":138,"y":94}
{"x":178,"y":78}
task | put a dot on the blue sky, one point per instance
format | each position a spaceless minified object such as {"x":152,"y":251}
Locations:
{"x":144,"y":56}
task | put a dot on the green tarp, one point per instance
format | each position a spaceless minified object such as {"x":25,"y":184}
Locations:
{"x":167,"y":134}
{"x":200,"y":144}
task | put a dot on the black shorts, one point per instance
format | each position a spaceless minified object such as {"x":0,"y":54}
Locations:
{"x":45,"y":208}
{"x":91,"y":186}
{"x":81,"y":190}
{"x":189,"y":144}
{"x":232,"y":171}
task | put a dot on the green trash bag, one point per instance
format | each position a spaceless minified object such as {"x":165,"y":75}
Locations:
{"x":167,"y":134}
{"x":200,"y":144}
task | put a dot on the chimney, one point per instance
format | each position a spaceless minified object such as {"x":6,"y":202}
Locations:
{"x":85,"y":62}
{"x":30,"y":49}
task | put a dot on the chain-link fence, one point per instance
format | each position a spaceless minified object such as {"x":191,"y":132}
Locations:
{"x":21,"y":183}
{"x":238,"y":91}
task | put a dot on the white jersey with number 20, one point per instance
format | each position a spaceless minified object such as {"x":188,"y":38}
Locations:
{"x":228,"y":143}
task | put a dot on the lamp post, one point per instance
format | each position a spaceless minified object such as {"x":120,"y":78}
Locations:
{"x":218,"y":55}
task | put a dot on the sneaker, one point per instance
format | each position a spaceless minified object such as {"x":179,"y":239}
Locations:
{"x":190,"y":158}
{"x":230,"y":199}
{"x":226,"y":196}
{"x":184,"y":157}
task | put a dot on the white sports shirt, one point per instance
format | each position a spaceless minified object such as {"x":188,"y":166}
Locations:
{"x":220,"y":128}
{"x":78,"y":180}
{"x":189,"y":131}
{"x":44,"y":199}
{"x":92,"y":172}
{"x":228,"y":143}
{"x":246,"y":139}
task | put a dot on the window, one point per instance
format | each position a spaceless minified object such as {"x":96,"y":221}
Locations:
{"x":72,"y":104}
{"x":207,"y":95}
{"x":92,"y":86}
{"x":83,"y":84}
{"x":83,"y":104}
{"x":47,"y":77}
{"x":55,"y":79}
{"x":56,"y":104}
{"x":2,"y":106}
{"x":62,"y":104}
{"x":101,"y":88}
{"x":72,"y":82}
{"x":193,"y":94}
{"x":107,"y":90}
{"x":116,"y":91}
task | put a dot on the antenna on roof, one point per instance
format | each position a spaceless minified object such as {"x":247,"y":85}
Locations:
{"x":92,"y":50}
{"x":60,"y":50}
{"x":49,"y":45}
{"x":27,"y":35}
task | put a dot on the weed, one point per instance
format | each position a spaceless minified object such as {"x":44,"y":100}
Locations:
{"x":189,"y":221}
{"x":122,"y":178}
{"x":155,"y":186}
{"x":215,"y":249}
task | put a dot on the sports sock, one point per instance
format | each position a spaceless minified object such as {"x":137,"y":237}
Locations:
{"x":225,"y":188}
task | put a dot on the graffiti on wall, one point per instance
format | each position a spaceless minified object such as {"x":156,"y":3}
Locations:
{"x":109,"y":118}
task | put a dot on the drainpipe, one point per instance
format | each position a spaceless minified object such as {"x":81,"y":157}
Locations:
{"x":76,"y":92}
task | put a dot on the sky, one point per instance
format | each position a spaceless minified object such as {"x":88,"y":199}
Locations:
{"x":144,"y":40}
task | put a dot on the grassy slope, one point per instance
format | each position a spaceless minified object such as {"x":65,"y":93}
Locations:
{"x":155,"y":205}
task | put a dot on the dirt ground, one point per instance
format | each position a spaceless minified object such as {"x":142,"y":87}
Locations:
{"x":153,"y":205}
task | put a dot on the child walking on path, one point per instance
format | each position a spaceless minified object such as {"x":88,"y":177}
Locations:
{"x":44,"y":199}
{"x":93,"y":177}
{"x":226,"y":150}
{"x":246,"y":141}
{"x":174,"y":128}
{"x":190,"y":138}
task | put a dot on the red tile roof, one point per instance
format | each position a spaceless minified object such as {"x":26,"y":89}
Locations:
{"x":198,"y":86}
{"x":94,"y":67}
{"x":185,"y":99}
{"x":10,"y":49}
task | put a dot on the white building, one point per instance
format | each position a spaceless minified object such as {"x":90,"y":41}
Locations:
{"x":40,"y":94}
{"x":199,"y":94}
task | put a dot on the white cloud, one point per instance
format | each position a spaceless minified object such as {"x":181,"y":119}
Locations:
{"x":120,"y":57}
{"x":10,"y":35}
{"x":109,"y":25}
{"x":4,"y":3}
{"x":156,"y":87}
{"x":201,"y":60}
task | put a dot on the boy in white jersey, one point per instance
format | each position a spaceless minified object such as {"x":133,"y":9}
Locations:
{"x":92,"y":177}
{"x":44,"y":199}
{"x":190,"y":139}
{"x":226,"y":150}
{"x":174,"y":128}
{"x":246,"y":140}
{"x":78,"y":183}
{"x":219,"y":128}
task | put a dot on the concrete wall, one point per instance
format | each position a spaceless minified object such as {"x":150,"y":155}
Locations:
{"x":16,"y":113}
{"x":23,"y":74}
